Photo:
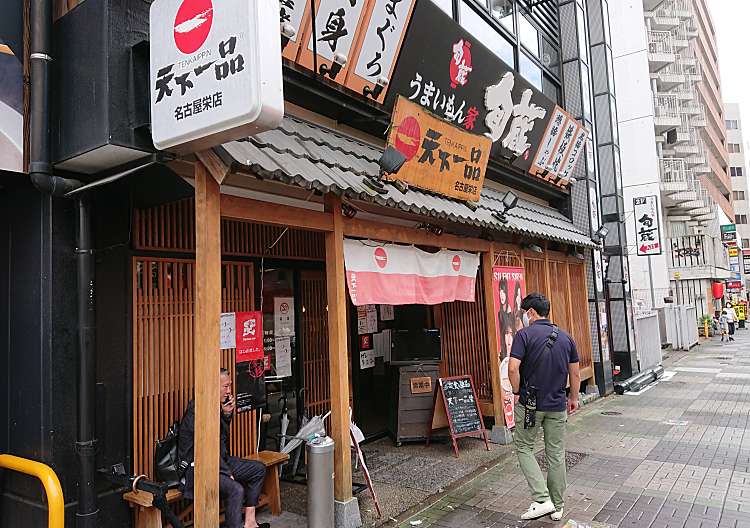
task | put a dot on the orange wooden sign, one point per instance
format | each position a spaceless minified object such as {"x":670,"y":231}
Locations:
{"x":440,"y":157}
{"x":420,"y":385}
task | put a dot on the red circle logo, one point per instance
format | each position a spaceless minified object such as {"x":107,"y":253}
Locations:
{"x":456,"y":263}
{"x":192,"y":24}
{"x":407,"y":137}
{"x":381,"y":257}
{"x":284,"y":308}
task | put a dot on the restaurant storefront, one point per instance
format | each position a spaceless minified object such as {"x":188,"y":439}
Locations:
{"x":261,"y":224}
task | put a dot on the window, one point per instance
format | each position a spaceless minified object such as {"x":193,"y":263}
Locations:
{"x":740,"y":219}
{"x":445,"y":5}
{"x":485,"y":33}
{"x":732,"y":124}
{"x":503,"y":11}
{"x":746,"y":242}
{"x":737,"y":172}
{"x":528,"y":35}
{"x":530,"y":70}
{"x":734,"y":148}
{"x":738,"y":195}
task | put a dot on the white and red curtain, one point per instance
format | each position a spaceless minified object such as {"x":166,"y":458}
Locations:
{"x":392,"y":274}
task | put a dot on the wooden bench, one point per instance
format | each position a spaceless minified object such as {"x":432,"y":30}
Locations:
{"x":148,"y":516}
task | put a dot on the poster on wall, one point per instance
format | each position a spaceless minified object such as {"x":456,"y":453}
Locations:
{"x":604,"y":330}
{"x":227,"y":325}
{"x":250,"y":364}
{"x":283,"y":316}
{"x":648,"y":236}
{"x":508,"y":290}
{"x":249,"y":336}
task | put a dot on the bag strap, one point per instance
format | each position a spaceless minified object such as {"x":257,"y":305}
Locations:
{"x":547,"y":347}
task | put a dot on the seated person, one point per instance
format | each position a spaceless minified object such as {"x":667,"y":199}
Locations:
{"x":240,"y":481}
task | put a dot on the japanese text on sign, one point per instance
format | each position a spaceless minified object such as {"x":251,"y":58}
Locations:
{"x":440,"y":157}
{"x":646,"y":214}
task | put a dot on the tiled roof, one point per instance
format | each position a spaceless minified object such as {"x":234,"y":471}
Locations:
{"x":310,"y":156}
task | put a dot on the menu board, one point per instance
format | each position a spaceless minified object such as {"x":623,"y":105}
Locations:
{"x":456,"y":407}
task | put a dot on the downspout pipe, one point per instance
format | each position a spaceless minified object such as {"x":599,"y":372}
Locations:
{"x":41,"y":175}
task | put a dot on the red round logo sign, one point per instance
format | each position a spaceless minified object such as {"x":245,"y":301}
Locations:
{"x":456,"y":263}
{"x":192,"y":24}
{"x":407,"y":137}
{"x":461,"y":63}
{"x":381,"y":257}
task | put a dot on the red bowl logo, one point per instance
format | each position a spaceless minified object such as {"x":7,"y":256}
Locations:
{"x":192,"y":24}
{"x":381,"y":257}
{"x":456,"y":263}
{"x":408,"y":134}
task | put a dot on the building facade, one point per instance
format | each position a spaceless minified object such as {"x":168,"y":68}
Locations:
{"x":287,"y":201}
{"x":737,"y":146}
{"x":673,"y":137}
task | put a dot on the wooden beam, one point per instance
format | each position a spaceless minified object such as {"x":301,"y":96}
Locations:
{"x":250,"y":210}
{"x":338,"y":350}
{"x":214,"y":164}
{"x":410,"y":235}
{"x":488,"y":260}
{"x":206,"y":355}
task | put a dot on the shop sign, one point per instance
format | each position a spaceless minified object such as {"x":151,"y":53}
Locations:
{"x":734,"y":285}
{"x":293,"y":14}
{"x":740,"y":309}
{"x":604,"y":331}
{"x":397,"y":275}
{"x":687,"y":252}
{"x":746,"y":262}
{"x":420,"y":385}
{"x":440,"y":157}
{"x":734,"y":252}
{"x":463,"y":82}
{"x":729,"y":234}
{"x":648,"y":236}
{"x":215,"y":71}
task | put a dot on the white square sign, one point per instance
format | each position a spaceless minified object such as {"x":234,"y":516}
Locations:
{"x":215,"y":72}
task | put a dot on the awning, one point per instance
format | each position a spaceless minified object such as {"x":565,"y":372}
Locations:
{"x":313,"y":157}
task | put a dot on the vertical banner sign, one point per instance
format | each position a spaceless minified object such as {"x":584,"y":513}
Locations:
{"x":292,"y":14}
{"x":376,"y":58}
{"x":215,"y":71}
{"x":249,"y":336}
{"x":746,"y":261}
{"x":508,"y":289}
{"x":249,"y":361}
{"x":648,"y":235}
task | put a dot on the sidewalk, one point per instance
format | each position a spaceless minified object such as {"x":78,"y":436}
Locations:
{"x":677,"y":455}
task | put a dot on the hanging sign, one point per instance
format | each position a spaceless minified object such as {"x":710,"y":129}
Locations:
{"x":648,"y":235}
{"x":249,"y":336}
{"x":420,"y":384}
{"x":215,"y":71}
{"x":467,"y":84}
{"x":439,"y":156}
{"x":406,"y":275}
{"x":457,"y":408}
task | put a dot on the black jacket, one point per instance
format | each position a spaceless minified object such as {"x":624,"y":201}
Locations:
{"x":186,"y":442}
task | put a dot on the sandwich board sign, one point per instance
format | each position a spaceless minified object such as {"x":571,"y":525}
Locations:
{"x":457,"y":408}
{"x":215,"y":71}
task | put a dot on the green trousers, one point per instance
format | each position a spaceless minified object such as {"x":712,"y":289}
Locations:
{"x":553,"y":424}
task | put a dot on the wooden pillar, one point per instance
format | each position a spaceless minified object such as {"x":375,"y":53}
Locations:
{"x":338,"y":351}
{"x":488,"y":261}
{"x":206,"y":352}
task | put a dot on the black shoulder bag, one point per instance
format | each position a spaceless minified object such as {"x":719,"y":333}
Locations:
{"x":168,"y":467}
{"x":531,"y":391}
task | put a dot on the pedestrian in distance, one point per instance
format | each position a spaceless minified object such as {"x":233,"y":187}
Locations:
{"x":542,"y":361}
{"x":724,"y":325}
{"x":731,"y":320}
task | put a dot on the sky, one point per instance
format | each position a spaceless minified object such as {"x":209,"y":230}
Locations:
{"x":732,"y":21}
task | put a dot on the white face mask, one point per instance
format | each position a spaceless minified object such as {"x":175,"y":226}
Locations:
{"x":525,"y":319}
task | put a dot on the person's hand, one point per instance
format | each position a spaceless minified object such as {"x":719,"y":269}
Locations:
{"x":573,"y":406}
{"x":516,"y":398}
{"x":228,"y":406}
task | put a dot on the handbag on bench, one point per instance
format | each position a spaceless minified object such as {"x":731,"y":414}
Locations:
{"x":168,"y":467}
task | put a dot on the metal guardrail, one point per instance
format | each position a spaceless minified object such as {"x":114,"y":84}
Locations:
{"x":660,"y":42}
{"x":666,"y":105}
{"x":55,"y":500}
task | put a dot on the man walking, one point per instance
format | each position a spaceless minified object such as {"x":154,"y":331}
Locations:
{"x":240,"y":481}
{"x":542,"y":360}
{"x":731,"y":320}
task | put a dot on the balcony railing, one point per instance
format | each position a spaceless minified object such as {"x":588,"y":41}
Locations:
{"x":673,"y":170}
{"x":666,"y":106}
{"x":660,"y":42}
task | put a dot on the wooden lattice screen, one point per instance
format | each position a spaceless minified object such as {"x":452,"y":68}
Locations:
{"x":171,"y":227}
{"x":314,"y":342}
{"x":463,"y":332}
{"x":580,"y":327}
{"x":163,"y":367}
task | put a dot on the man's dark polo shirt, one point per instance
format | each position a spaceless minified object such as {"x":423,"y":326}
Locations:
{"x":551,"y":373}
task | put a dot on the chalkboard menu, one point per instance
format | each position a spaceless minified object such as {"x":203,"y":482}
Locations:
{"x":457,"y":408}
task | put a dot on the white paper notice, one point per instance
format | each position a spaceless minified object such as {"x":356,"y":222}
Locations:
{"x":386,"y":312}
{"x":283,"y":357}
{"x":372,"y":318}
{"x":361,"y":320}
{"x":283,"y":316}
{"x":382,"y":345}
{"x":366,"y":359}
{"x":226,"y":331}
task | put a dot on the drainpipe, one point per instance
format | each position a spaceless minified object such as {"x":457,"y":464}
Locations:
{"x":41,"y":175}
